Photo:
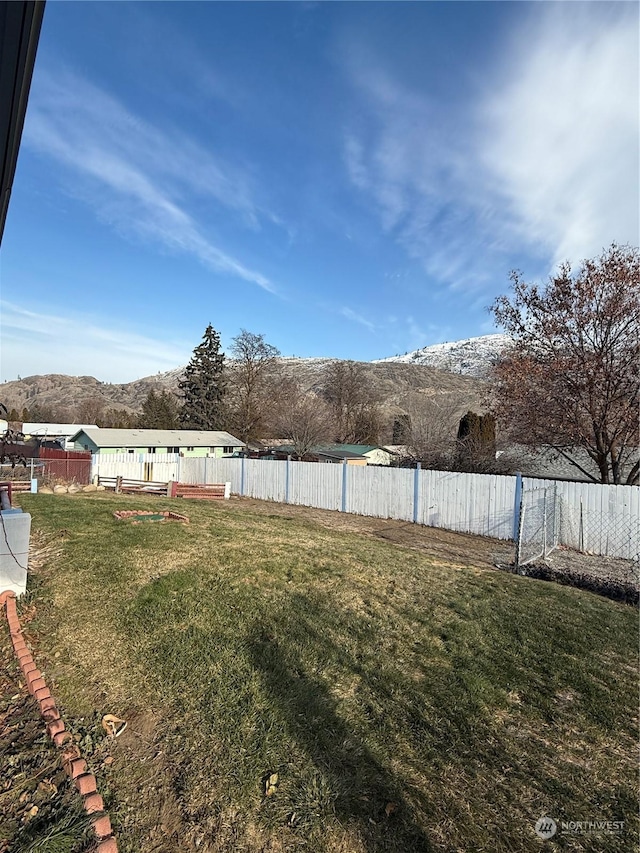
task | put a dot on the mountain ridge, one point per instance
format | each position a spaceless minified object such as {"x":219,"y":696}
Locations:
{"x":467,"y":357}
{"x":402,"y":383}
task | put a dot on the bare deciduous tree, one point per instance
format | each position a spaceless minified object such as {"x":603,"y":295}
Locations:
{"x":571,"y":380}
{"x":302,"y":418}
{"x":251,"y":380}
{"x":353,"y":403}
{"x":433,"y":422}
{"x":90,"y":411}
{"x":115,"y":418}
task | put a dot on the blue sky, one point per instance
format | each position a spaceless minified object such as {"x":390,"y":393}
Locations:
{"x":349,"y":179}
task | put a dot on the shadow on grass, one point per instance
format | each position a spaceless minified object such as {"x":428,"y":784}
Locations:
{"x":349,"y":782}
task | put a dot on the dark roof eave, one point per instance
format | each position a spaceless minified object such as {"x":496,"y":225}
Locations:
{"x":20,"y":24}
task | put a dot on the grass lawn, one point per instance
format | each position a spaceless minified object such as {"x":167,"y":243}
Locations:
{"x":406,"y":703}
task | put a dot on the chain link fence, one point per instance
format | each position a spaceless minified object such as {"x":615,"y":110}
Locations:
{"x":548,"y":522}
{"x":539,"y":525}
{"x":596,"y":532}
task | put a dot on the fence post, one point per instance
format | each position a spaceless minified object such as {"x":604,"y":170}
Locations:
{"x":242,"y":461}
{"x":544,"y":524}
{"x":518,"y":538}
{"x":343,"y":502}
{"x":205,"y":470}
{"x":416,"y":492}
{"x":178,"y":471}
{"x":286,"y":480}
{"x":517,"y":503}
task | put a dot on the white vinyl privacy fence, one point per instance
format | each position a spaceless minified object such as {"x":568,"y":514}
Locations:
{"x":591,"y":517}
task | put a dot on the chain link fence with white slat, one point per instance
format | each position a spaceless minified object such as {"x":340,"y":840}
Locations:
{"x":539,"y":525}
{"x":592,"y":531}
{"x":547,"y":522}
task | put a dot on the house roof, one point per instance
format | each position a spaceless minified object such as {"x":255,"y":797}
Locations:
{"x":355,"y":449}
{"x":548,"y":463}
{"x":327,"y":452}
{"x":19,"y":32}
{"x":42,"y":429}
{"x":159,"y":438}
{"x":336,"y":453}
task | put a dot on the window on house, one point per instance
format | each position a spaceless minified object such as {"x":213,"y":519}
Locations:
{"x":227,"y":449}
{"x":173,"y":450}
{"x":151,"y":450}
{"x":130,"y":450}
{"x":189,"y":448}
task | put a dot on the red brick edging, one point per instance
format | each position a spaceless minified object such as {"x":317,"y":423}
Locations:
{"x":72,"y":761}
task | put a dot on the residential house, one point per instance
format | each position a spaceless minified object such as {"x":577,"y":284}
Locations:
{"x":61,"y":433}
{"x":371,"y":453}
{"x":186,"y":442}
{"x":353,"y":454}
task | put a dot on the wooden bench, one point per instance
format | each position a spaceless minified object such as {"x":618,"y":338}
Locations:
{"x":123,"y":485}
{"x":16,"y":486}
{"x":200,"y":491}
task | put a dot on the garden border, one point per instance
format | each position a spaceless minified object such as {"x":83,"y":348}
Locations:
{"x":72,"y":761}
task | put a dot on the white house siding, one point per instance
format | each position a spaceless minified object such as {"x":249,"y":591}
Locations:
{"x":378,"y":457}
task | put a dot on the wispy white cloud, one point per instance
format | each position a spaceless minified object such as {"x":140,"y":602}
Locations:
{"x":406,"y":155}
{"x":138,"y":177}
{"x":357,"y":318}
{"x":542,"y":161}
{"x":80,"y":346}
{"x":560,"y":135}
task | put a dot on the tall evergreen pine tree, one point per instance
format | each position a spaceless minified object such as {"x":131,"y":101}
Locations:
{"x":202,"y":385}
{"x":159,"y":411}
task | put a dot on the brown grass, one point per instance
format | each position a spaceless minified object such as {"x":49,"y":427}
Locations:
{"x":347,"y":655}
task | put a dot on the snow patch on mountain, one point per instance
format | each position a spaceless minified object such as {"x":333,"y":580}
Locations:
{"x":470,"y":357}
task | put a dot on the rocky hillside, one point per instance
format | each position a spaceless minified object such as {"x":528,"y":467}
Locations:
{"x":58,"y":391}
{"x":470,"y":357}
{"x":400,"y":387}
{"x":394,"y":382}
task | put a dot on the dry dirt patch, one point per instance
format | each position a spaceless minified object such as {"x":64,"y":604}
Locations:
{"x":442,"y":545}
